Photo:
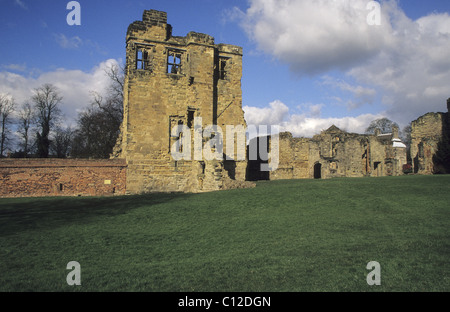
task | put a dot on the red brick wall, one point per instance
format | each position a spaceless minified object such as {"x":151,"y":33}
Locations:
{"x":62,"y":177}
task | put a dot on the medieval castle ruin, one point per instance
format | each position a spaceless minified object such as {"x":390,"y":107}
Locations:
{"x":335,"y":153}
{"x":172,"y":81}
{"x":193,"y":84}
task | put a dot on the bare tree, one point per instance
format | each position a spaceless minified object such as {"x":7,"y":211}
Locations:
{"x":46,"y":101}
{"x":6,"y":108}
{"x":62,"y":142}
{"x":25,"y":122}
{"x":117,"y":75}
{"x":99,"y":126}
{"x":384,"y":124}
{"x":112,"y":104}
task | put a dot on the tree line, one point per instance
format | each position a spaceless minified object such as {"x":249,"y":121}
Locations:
{"x":40,"y":124}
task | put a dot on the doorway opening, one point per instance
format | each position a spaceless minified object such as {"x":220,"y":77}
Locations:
{"x":318,"y":171}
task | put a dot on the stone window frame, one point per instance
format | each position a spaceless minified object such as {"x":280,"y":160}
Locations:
{"x":143,"y":57}
{"x":175,"y":65}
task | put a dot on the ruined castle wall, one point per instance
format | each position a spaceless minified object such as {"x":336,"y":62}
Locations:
{"x":61,"y":177}
{"x":378,"y":147}
{"x":340,"y":154}
{"x":426,"y":132}
{"x":229,"y":107}
{"x":335,"y":153}
{"x":293,"y":158}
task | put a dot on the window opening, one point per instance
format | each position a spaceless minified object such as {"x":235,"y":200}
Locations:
{"x":174,"y":62}
{"x":223,"y":68}
{"x":142,"y":59}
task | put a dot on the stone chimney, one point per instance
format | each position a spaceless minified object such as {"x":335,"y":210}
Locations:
{"x":153,"y":17}
{"x":394,"y":132}
{"x":377,"y":131}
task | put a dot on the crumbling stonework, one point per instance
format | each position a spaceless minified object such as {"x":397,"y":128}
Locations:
{"x":169,"y":82}
{"x":430,"y":143}
{"x":61,"y":177}
{"x":335,"y":153}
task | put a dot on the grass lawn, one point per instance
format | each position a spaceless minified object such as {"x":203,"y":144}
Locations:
{"x":289,"y":236}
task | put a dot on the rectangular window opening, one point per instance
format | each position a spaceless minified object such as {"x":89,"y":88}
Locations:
{"x":174,"y":62}
{"x":142,"y":59}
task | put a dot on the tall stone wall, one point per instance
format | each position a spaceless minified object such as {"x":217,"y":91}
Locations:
{"x":61,"y":177}
{"x":430,"y":143}
{"x":172,"y":81}
{"x":293,"y":158}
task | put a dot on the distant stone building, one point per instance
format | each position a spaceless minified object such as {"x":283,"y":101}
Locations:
{"x":430,"y":143}
{"x":169,"y":82}
{"x":335,"y":153}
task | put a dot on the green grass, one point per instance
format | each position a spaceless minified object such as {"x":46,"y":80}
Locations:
{"x":297,"y":235}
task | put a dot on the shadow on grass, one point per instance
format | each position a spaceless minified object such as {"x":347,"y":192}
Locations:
{"x":20,"y":214}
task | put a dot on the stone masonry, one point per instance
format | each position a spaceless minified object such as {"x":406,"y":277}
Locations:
{"x":336,"y":153}
{"x":169,"y":82}
{"x":430,"y":136}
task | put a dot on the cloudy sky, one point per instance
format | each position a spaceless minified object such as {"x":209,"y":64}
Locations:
{"x":308,"y":64}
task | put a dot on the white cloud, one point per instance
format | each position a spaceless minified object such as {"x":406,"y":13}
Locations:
{"x":314,"y":36}
{"x":73,"y":85}
{"x":315,"y":110}
{"x":68,"y":43}
{"x":272,"y":115}
{"x":414,"y":70}
{"x":305,"y":124}
{"x":361,"y":95}
{"x":406,"y":61}
{"x":15,"y":67}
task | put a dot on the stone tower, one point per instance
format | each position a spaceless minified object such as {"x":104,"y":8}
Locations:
{"x":173,"y":81}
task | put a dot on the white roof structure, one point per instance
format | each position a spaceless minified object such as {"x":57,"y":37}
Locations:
{"x":398,"y":143}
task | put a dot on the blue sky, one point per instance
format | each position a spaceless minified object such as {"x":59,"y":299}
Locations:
{"x":307,"y":64}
